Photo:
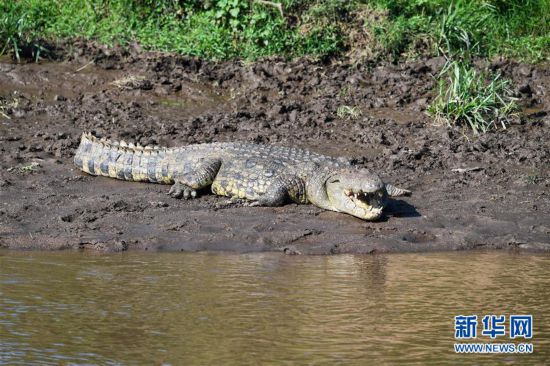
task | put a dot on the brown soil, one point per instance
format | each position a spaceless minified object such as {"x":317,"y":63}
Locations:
{"x":500,"y":201}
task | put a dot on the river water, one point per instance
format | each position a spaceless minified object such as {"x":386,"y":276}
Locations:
{"x":205,"y":308}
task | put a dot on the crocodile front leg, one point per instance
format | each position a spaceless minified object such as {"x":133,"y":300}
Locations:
{"x":180,"y":190}
{"x":195,"y":175}
{"x":281,"y":190}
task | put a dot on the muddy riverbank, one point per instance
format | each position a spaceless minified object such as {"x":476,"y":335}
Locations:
{"x":469,"y":192}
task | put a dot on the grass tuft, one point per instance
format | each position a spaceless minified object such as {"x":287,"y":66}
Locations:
{"x":468,"y":98}
{"x":7,"y":104}
{"x":25,"y":168}
{"x":348,"y":112}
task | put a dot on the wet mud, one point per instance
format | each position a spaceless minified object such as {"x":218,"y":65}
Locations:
{"x":470,"y":192}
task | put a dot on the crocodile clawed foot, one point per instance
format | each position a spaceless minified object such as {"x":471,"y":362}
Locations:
{"x":180,"y":190}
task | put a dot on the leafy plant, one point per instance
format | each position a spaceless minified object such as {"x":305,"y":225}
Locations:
{"x":466,"y":97}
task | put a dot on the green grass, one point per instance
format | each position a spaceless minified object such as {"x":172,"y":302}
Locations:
{"x":224,"y":29}
{"x":7,"y":104}
{"x":348,"y":112}
{"x":465,"y":28}
{"x":21,"y":24}
{"x":214,"y":30}
{"x":25,"y":168}
{"x":468,"y":98}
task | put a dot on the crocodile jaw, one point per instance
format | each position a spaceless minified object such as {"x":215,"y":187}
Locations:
{"x":357,"y":192}
{"x":365,"y":205}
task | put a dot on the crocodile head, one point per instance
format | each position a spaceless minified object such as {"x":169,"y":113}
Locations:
{"x":358,"y":192}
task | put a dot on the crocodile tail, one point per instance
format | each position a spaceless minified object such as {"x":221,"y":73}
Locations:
{"x":123,"y":161}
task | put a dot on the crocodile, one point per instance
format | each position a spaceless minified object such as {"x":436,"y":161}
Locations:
{"x":260,"y":175}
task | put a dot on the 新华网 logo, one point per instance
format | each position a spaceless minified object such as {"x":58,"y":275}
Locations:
{"x":493,"y":326}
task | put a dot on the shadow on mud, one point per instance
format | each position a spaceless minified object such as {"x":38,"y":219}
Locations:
{"x":400,"y":208}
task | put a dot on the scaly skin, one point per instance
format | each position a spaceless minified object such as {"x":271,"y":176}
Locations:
{"x":265,"y":174}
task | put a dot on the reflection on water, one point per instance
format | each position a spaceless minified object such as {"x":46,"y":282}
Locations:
{"x":244,"y":309}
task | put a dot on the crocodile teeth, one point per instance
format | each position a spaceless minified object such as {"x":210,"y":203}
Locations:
{"x":123,"y":143}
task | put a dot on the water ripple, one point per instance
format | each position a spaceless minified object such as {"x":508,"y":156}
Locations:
{"x":142,"y":308}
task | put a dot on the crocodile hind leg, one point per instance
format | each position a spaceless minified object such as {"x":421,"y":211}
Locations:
{"x":195,"y":175}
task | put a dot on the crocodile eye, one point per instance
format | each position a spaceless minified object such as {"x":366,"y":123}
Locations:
{"x":335,"y":181}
